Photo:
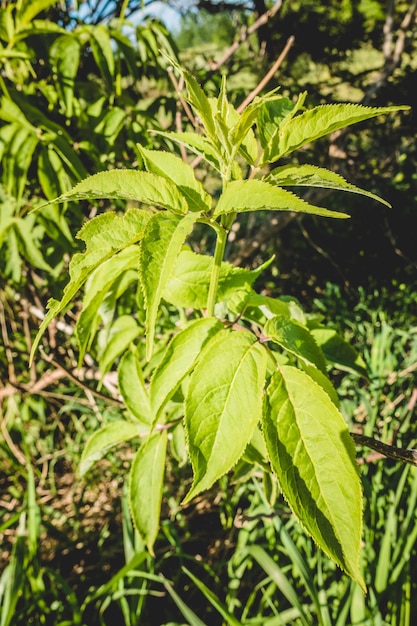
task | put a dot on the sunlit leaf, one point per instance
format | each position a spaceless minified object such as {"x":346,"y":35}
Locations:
{"x":313,"y":456}
{"x":223,"y":404}
{"x":257,"y":195}
{"x":161,"y":245}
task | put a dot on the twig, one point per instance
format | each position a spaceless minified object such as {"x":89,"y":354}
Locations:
{"x":245,"y":32}
{"x":267,"y":76}
{"x":391,"y":452}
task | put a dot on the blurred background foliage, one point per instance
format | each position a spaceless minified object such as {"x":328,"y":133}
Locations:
{"x":81,"y":83}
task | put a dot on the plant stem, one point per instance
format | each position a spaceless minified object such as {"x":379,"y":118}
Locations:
{"x":215,"y":275}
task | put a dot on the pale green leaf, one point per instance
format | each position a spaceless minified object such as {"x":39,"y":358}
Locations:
{"x":200,"y":103}
{"x":105,"y":235}
{"x":178,"y":360}
{"x":100,"y":282}
{"x":295,"y":338}
{"x":312,"y":176}
{"x":258,"y":195}
{"x":161,"y":245}
{"x":132,"y":387}
{"x":318,"y":122}
{"x":338,"y":352}
{"x":313,"y":456}
{"x":129,"y":185}
{"x":145,"y":487}
{"x":183,"y":175}
{"x":223,"y":404}
{"x":322,"y":379}
{"x":123,"y":331}
{"x":274,"y":114}
{"x":103,"y":440}
{"x":197,"y":144}
{"x":189,"y":283}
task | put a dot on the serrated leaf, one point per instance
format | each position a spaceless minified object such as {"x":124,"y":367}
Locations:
{"x":178,"y":360}
{"x":161,"y":245}
{"x":273,"y":115}
{"x":103,"y":440}
{"x":197,"y":144}
{"x":129,"y":185}
{"x":223,"y":404}
{"x":172,"y":167}
{"x":258,"y":195}
{"x":296,"y":339}
{"x":313,"y":456}
{"x":145,"y":487}
{"x":189,"y":283}
{"x":318,"y":122}
{"x":101,"y":281}
{"x":104,"y":236}
{"x":312,"y":176}
{"x":200,"y":103}
{"x":339,"y":352}
{"x":132,"y":387}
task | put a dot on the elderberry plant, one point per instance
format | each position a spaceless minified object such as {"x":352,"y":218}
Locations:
{"x":245,"y":376}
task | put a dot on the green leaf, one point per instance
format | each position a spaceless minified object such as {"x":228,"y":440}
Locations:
{"x":64,"y":55}
{"x":31,"y":9}
{"x":161,"y":245}
{"x":145,"y":487}
{"x":189,"y":283}
{"x":200,"y":103}
{"x":258,"y":195}
{"x":105,"y":235}
{"x":100,"y":282}
{"x":339,"y":352}
{"x":230,"y":620}
{"x":172,"y":167}
{"x":103,"y":440}
{"x":318,"y":122}
{"x":197,"y":144}
{"x":123,"y":331}
{"x":102,"y":51}
{"x":312,"y":176}
{"x":295,"y":338}
{"x":223,"y":404}
{"x":313,"y":456}
{"x":274,"y":114}
{"x":132,"y":387}
{"x":178,"y":360}
{"x":129,"y":185}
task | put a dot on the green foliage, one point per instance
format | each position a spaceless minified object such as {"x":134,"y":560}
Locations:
{"x":231,"y":377}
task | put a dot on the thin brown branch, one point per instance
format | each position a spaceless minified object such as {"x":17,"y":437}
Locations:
{"x":245,"y":33}
{"x":267,"y":76}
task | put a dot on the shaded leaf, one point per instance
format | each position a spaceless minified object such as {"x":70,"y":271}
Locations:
{"x":132,"y":387}
{"x":103,"y":440}
{"x":145,"y":487}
